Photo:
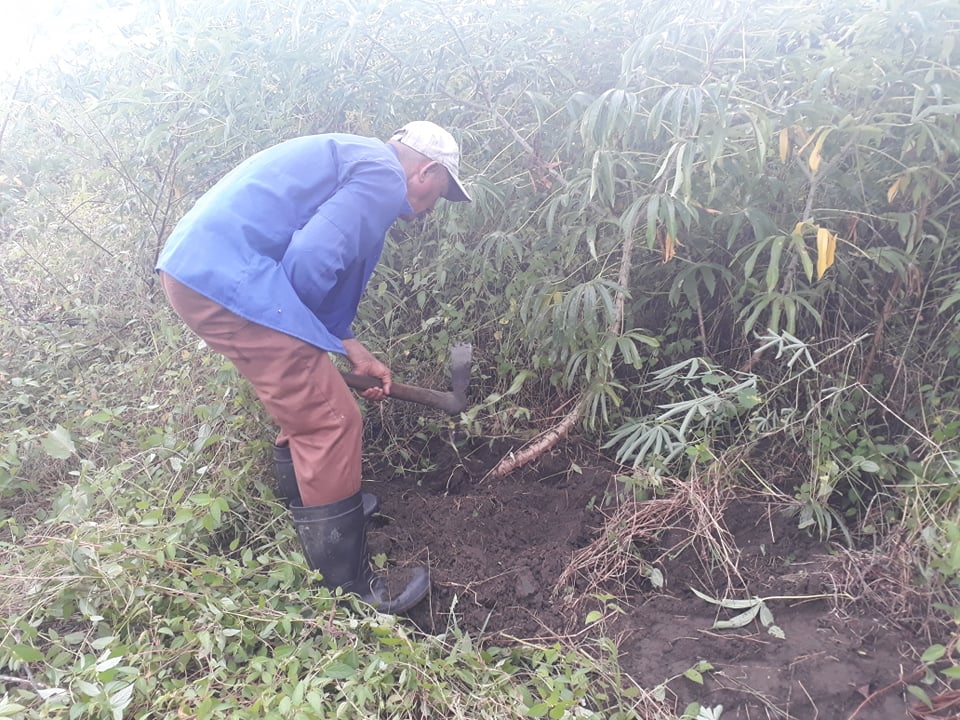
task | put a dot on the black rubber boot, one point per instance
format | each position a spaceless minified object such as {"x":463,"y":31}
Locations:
{"x":334,"y":541}
{"x":288,"y":492}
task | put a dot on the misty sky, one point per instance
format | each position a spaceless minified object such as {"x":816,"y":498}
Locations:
{"x":32,"y":32}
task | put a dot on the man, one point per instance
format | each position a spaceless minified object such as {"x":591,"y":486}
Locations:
{"x":268,"y":268}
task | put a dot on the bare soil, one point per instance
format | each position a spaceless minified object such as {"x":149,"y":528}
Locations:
{"x":497,"y":547}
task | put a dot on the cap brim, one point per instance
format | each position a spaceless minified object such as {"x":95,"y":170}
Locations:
{"x":456,"y":191}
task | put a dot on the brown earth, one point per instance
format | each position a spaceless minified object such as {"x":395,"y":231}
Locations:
{"x":497,"y":547}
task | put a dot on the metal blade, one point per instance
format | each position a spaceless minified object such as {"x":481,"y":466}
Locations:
{"x":460,"y":359}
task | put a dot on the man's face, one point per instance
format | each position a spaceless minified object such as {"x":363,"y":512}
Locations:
{"x":427,"y":185}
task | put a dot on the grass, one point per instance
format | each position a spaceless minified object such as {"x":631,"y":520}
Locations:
{"x":146,"y":572}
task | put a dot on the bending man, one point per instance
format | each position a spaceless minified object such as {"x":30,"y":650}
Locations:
{"x":268,"y":267}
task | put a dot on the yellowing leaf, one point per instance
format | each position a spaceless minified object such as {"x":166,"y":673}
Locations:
{"x":816,"y":153}
{"x":784,"y":144}
{"x":894,"y":189}
{"x":669,"y":247}
{"x":826,"y":250}
{"x":822,"y":236}
{"x":815,"y":158}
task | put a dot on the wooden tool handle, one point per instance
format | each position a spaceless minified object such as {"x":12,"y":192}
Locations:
{"x":446,"y":401}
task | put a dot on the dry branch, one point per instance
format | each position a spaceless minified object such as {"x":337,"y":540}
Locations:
{"x":543,"y":442}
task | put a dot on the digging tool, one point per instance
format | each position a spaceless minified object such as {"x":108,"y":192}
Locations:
{"x":453,"y":402}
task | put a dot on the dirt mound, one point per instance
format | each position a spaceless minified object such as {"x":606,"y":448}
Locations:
{"x":496,"y":549}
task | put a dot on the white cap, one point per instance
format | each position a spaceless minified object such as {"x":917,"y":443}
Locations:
{"x":432,"y":141}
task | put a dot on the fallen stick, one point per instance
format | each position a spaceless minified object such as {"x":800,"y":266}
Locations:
{"x":543,"y":442}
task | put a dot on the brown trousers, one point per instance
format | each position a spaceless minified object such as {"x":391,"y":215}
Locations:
{"x":298,"y":384}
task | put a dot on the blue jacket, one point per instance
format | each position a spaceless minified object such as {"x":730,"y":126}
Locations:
{"x":290,"y":237}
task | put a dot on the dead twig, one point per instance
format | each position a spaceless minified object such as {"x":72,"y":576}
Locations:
{"x":902,"y":680}
{"x":29,"y":681}
{"x":543,"y":442}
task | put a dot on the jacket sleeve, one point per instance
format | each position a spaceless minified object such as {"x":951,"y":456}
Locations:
{"x":344,"y":232}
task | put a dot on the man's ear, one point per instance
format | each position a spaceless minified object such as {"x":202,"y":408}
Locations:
{"x":431,"y":168}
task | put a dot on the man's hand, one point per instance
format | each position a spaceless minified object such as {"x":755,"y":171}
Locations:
{"x":364,"y":363}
